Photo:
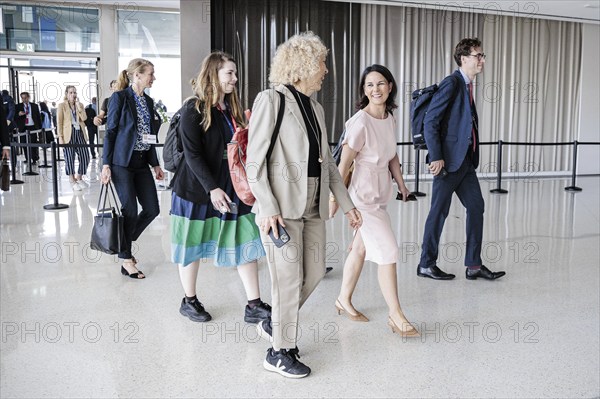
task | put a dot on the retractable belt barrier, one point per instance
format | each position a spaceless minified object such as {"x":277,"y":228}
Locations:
{"x":416,"y":192}
{"x":500,"y":144}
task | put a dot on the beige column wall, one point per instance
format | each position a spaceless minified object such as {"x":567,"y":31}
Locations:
{"x":195,"y":39}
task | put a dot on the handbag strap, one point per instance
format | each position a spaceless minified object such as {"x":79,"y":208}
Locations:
{"x":115,"y":198}
{"x":105,"y":190}
{"x":277,"y":124}
{"x":102,"y":191}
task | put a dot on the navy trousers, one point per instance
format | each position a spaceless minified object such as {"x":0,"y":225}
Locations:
{"x":465,"y":184}
{"x":135,"y":183}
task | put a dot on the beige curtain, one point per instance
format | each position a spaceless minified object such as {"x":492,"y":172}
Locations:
{"x":528,"y":92}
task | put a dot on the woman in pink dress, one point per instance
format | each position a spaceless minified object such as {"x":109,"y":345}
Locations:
{"x":370,"y":143}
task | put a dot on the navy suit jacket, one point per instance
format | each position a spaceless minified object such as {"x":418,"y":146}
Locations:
{"x":448,"y":124}
{"x":4,"y":136}
{"x":121,"y":129}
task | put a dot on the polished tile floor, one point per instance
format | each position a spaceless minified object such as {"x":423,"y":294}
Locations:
{"x":72,"y":326}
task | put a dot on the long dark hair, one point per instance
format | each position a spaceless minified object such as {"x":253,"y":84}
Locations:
{"x":390,"y":104}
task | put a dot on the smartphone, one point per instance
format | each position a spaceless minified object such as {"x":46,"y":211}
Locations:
{"x":443,"y":173}
{"x":233,"y":208}
{"x":411,"y":197}
{"x":283,"y":239}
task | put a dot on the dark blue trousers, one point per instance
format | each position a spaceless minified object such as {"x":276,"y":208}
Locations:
{"x":465,"y":184}
{"x":135,"y":183}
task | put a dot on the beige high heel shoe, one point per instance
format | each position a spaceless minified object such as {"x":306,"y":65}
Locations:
{"x":354,"y":317}
{"x":411,"y":333}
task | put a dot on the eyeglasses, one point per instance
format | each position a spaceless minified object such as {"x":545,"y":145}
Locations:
{"x":480,"y":56}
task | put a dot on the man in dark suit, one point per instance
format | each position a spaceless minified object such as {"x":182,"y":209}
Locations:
{"x":452,"y":140}
{"x":28,"y":118}
{"x":9,"y":109}
{"x":4,"y":136}
{"x":53,"y":114}
{"x":91,"y":112}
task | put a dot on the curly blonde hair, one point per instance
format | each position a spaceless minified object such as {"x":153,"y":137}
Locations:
{"x":297,"y":59}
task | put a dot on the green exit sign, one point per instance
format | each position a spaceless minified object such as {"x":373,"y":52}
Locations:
{"x":26,"y":47}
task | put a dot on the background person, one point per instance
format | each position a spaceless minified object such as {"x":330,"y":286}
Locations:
{"x":129,"y":147}
{"x":100,"y":119}
{"x":8,"y":103}
{"x":91,"y":113}
{"x":370,"y":143}
{"x":203,"y":224}
{"x":4,"y":136}
{"x":46,"y":122}
{"x":299,"y":204}
{"x":28,"y":118}
{"x":71,"y":130}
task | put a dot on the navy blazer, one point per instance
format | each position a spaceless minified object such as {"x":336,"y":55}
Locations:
{"x":121,"y":129}
{"x":448,"y":124}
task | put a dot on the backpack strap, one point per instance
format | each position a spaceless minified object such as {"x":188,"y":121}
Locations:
{"x":277,"y":124}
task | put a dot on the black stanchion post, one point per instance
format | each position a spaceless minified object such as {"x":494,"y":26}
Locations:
{"x":58,"y":158}
{"x":499,"y":189}
{"x":417,"y":193}
{"x":29,"y":172}
{"x":13,"y":164}
{"x":55,"y":205}
{"x":573,"y":187}
{"x":44,"y":141}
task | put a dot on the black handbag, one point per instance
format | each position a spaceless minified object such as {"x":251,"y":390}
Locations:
{"x":108,"y":230}
{"x":5,"y":185}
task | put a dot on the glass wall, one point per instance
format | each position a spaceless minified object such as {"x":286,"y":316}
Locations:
{"x":154,"y":36}
{"x":34,"y":28}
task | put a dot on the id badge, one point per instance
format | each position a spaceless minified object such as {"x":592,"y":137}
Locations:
{"x":149,"y":139}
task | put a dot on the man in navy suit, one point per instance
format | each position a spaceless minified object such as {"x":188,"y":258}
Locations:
{"x":452,"y":140}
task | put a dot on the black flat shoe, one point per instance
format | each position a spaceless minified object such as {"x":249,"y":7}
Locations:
{"x":483,"y":273}
{"x":138,"y":276}
{"x":434,"y":272}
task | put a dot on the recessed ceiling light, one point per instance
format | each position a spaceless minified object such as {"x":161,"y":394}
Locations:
{"x":591,"y":6}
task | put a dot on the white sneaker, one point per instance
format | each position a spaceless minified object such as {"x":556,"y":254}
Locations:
{"x":76,"y":187}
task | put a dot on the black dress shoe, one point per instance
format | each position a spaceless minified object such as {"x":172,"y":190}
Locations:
{"x":483,"y":272}
{"x":434,"y":272}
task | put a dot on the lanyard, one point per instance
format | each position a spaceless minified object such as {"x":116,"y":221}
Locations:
{"x":232,"y":127}
{"x":145,"y":115}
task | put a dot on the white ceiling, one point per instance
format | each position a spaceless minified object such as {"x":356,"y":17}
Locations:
{"x":572,"y":10}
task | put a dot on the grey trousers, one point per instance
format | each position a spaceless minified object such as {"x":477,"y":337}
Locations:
{"x":296,"y":268}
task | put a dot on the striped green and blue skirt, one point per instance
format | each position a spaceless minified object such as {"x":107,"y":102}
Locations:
{"x":198,"y":231}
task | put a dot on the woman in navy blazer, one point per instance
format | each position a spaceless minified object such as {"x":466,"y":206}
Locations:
{"x":128,"y":150}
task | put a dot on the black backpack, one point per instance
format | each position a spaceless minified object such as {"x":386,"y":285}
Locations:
{"x":418,"y":110}
{"x":172,"y":149}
